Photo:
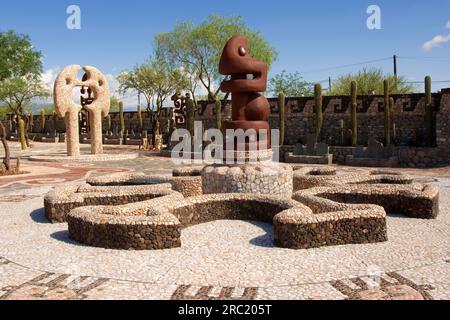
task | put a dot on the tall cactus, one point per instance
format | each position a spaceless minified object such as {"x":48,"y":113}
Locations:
{"x":388,"y":105}
{"x":139,"y":118}
{"x":282,"y":112}
{"x":42,"y":121}
{"x":354,"y":104}
{"x":55,"y":122}
{"x":190,"y":115}
{"x":108,"y":123}
{"x":218,"y":110}
{"x":23,"y":141}
{"x":429,"y":111}
{"x":341,"y":132}
{"x":31,"y":122}
{"x":121,"y":118}
{"x":318,"y":105}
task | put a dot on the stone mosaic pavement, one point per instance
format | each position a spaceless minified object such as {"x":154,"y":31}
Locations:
{"x":218,"y":260}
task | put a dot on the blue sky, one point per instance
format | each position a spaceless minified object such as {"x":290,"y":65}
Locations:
{"x":309,"y":35}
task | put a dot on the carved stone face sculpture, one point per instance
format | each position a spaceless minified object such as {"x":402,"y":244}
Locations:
{"x":96,"y":82}
{"x":248,"y":77}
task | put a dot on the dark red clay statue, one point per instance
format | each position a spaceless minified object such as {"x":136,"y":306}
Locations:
{"x":250,"y":109}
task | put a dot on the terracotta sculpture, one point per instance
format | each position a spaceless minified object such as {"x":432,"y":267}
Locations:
{"x":97,"y":106}
{"x":248,"y":77}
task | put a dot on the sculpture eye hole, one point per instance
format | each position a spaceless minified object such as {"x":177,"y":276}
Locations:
{"x":242,"y":51}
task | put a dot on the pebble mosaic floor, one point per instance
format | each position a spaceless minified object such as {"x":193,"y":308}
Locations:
{"x":217,"y":260}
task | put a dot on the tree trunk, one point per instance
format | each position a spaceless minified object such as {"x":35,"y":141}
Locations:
{"x":6,"y":159}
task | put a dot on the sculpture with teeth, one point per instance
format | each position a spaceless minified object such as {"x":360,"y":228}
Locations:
{"x":248,"y":77}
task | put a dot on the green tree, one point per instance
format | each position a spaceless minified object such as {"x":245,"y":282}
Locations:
{"x":370,"y":81}
{"x":17,"y":93}
{"x":197,"y":48}
{"x":289,"y":83}
{"x":157,"y":82}
{"x":17,"y":56}
{"x":114,"y":104}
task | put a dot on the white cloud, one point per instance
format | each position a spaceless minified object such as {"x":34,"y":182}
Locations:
{"x":436,"y":41}
{"x":49,"y":77}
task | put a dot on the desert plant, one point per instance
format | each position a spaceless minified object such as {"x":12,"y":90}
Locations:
{"x":31,"y":123}
{"x":388,"y":105}
{"x":429,"y":111}
{"x":6,"y":158}
{"x":23,"y":141}
{"x":282,"y":112}
{"x":42,"y":121}
{"x":139,"y":118}
{"x":218,"y":116}
{"x":17,"y":168}
{"x":55,"y":122}
{"x":190,"y":115}
{"x":341,"y":132}
{"x":354,"y":104}
{"x":108,"y":123}
{"x":121,"y":118}
{"x":318,"y":106}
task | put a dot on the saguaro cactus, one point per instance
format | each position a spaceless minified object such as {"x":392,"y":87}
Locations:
{"x":318,"y":106}
{"x":388,"y":105}
{"x":282,"y":112}
{"x":42,"y":121}
{"x":139,"y":118}
{"x":23,"y":141}
{"x":108,"y":123}
{"x":190,"y":115}
{"x":218,"y":109}
{"x":354,"y":104}
{"x":429,"y":111}
{"x":31,"y":117}
{"x":341,"y":132}
{"x":55,"y":122}
{"x":121,"y":118}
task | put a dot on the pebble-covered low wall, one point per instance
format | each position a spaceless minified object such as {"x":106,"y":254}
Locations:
{"x":328,"y":208}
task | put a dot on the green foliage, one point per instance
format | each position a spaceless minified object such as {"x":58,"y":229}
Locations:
{"x":354,"y":104}
{"x":17,"y":56}
{"x":218,"y":114}
{"x":370,"y":81}
{"x":429,"y":117}
{"x":319,"y":110}
{"x":157,"y":82}
{"x":3,"y":111}
{"x":190,"y":115}
{"x":23,"y":141}
{"x":17,"y":93}
{"x":121,"y":117}
{"x":197,"y":48}
{"x":388,"y":105}
{"x":114,"y":107}
{"x":291,"y":84}
{"x":282,"y":112}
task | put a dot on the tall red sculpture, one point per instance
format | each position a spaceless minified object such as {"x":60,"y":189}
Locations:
{"x":248,"y":77}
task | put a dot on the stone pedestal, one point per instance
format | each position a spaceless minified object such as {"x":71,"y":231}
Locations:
{"x":260,"y":178}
